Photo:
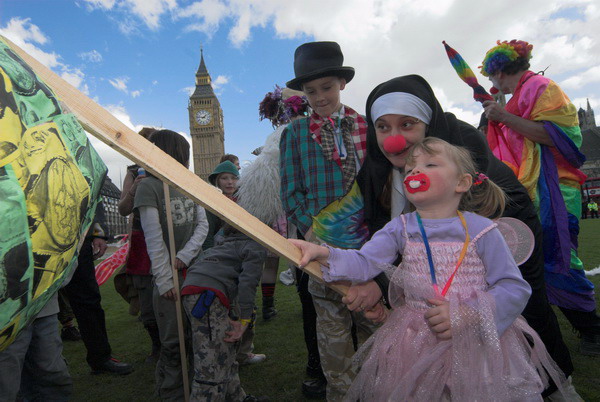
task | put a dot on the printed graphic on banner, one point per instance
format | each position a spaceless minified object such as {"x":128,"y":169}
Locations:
{"x":50,"y":180}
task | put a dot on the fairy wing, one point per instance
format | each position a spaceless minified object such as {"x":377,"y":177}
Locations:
{"x":518,"y":237}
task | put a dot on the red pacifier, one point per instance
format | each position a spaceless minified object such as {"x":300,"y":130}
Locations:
{"x":416,"y":183}
{"x":494,"y":90}
{"x":394,"y":144}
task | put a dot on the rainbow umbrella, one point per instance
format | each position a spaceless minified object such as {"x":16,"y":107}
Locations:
{"x":466,"y":74}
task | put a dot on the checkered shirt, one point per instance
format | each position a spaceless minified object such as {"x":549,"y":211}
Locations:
{"x":309,"y":181}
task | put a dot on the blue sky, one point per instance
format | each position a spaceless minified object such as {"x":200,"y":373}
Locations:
{"x":138,"y":58}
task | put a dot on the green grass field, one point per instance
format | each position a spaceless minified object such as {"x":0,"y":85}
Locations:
{"x":280,"y":376}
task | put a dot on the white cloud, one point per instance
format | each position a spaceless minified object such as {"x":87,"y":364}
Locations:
{"x":380,"y":38}
{"x":218,"y":82}
{"x":116,"y":162}
{"x":585,"y":78}
{"x":208,"y":13}
{"x":92,"y":56}
{"x":120,"y":113}
{"x":581,"y":102}
{"x":22,"y":29}
{"x":105,"y":4}
{"x":387,"y":38}
{"x":127,"y":26}
{"x":25,"y":35}
{"x":76,"y":78}
{"x":188,"y":90}
{"x":467,"y":111}
{"x":120,"y":83}
{"x":149,"y":11}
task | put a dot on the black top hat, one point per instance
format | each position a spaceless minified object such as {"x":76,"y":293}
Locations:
{"x":318,"y":59}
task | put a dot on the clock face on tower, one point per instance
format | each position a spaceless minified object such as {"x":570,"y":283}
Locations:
{"x":203,"y":117}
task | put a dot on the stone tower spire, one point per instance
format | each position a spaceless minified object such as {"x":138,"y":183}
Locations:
{"x":206,"y":123}
{"x":590,"y":114}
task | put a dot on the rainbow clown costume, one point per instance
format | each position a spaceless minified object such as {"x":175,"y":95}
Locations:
{"x":550,"y":173}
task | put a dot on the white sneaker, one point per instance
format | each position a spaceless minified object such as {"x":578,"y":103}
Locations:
{"x":568,"y":395}
{"x":254,"y":358}
{"x":287,"y":277}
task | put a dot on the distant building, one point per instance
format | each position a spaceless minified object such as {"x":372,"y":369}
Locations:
{"x":590,"y":147}
{"x":586,"y":117}
{"x":116,"y":223}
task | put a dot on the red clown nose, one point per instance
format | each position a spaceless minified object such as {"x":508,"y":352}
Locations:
{"x":394,"y":144}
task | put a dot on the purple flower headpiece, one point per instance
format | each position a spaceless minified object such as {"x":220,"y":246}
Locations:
{"x":280,"y":111}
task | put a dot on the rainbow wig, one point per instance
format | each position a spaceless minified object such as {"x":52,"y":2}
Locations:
{"x":505,"y":52}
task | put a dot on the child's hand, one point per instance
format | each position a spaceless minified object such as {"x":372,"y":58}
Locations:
{"x":237,"y":330}
{"x":438,"y":318}
{"x":311,"y":252}
{"x":170,"y":294}
{"x":362,"y":296}
{"x":179,"y":265}
{"x":379,"y":313}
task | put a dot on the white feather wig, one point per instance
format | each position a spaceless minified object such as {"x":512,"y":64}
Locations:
{"x":259,"y":185}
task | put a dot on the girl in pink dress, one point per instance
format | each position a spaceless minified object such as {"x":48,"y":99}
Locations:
{"x":455,"y":331}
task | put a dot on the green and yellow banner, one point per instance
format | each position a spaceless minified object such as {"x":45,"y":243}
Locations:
{"x":50,"y":180}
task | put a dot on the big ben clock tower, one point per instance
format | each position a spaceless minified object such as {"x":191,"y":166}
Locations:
{"x":206,"y":124}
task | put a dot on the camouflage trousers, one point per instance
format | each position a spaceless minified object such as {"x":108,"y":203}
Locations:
{"x":334,"y":336}
{"x":215,"y":368}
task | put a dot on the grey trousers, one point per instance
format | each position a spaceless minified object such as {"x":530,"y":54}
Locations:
{"x":34,"y":364}
{"x":143,"y":284}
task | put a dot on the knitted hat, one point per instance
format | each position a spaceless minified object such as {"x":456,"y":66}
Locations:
{"x":223,"y":167}
{"x":316,"y":60}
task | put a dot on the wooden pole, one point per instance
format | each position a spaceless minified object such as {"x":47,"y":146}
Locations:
{"x":107,"y":128}
{"x":180,"y":331}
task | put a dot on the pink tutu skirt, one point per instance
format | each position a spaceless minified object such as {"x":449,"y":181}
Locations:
{"x":404,"y":361}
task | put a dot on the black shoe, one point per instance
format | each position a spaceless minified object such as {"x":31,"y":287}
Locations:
{"x":590,"y":344}
{"x":314,"y":388}
{"x":113,"y":366}
{"x":269,"y":313}
{"x":70,"y":334}
{"x":251,"y":398}
{"x":268,"y":308}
